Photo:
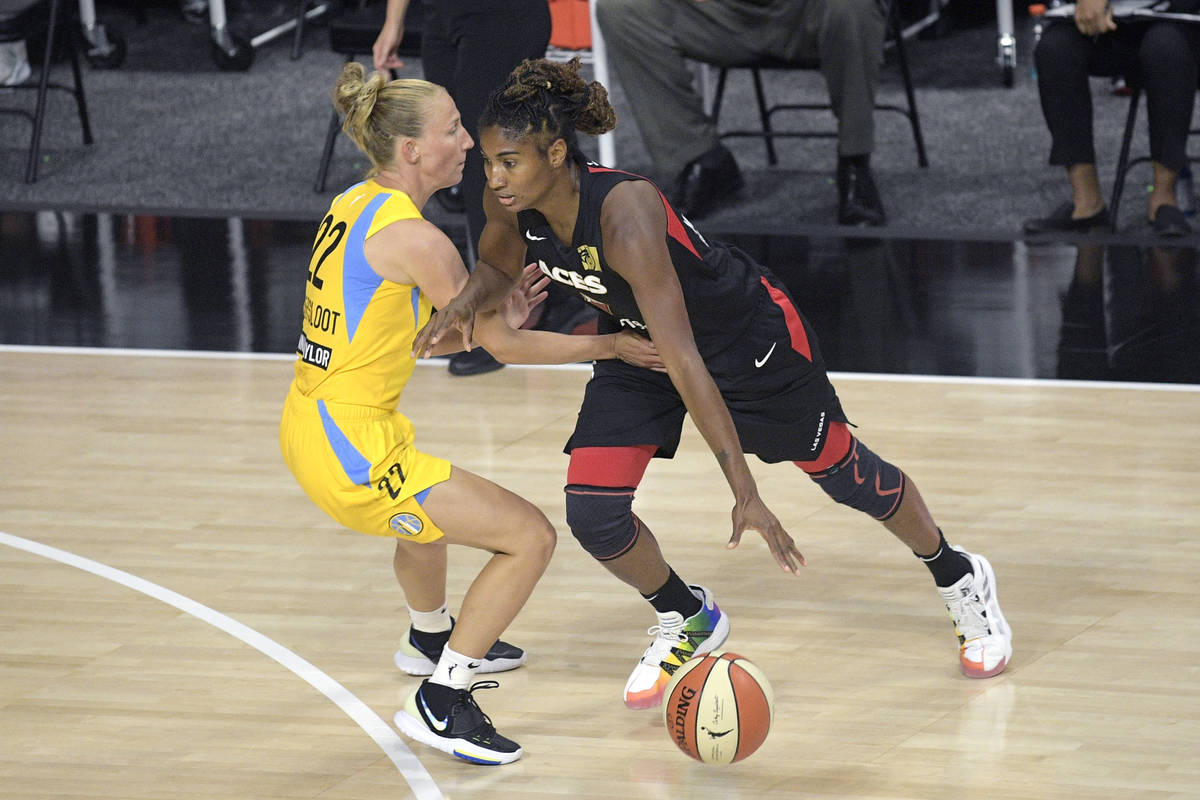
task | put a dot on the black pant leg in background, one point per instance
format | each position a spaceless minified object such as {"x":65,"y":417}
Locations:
{"x":1162,"y":56}
{"x":470,"y":47}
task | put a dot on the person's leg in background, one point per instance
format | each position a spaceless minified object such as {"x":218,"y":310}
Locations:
{"x":1064,"y":58}
{"x":850,"y":47}
{"x":470,"y":48}
{"x":649,"y":43}
{"x":1168,"y":64}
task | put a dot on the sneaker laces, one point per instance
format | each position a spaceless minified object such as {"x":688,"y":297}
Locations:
{"x":667,"y":634}
{"x":970,"y":617}
{"x":466,"y":700}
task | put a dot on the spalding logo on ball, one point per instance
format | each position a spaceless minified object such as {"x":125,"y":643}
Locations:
{"x":718,"y":708}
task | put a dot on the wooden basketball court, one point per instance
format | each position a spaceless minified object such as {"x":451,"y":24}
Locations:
{"x":177,"y":621}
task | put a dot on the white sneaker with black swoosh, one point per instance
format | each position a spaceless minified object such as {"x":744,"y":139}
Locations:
{"x":464,"y":731}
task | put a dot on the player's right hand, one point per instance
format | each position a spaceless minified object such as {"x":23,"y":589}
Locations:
{"x":752,"y":513}
{"x":457,"y":314}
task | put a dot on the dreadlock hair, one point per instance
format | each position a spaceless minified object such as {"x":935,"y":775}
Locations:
{"x":546,"y":100}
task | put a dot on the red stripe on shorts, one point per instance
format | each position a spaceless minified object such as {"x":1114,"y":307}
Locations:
{"x":609,"y":466}
{"x":837,"y":445}
{"x":792,"y":317}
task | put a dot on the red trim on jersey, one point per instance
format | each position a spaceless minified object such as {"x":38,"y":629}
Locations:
{"x":675,"y":227}
{"x":792,"y":317}
{"x":609,"y":466}
{"x":837,"y":445}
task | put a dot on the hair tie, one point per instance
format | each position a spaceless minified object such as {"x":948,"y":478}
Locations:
{"x":547,"y":84}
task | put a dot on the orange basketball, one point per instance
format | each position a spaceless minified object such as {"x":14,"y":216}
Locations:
{"x":718,"y":708}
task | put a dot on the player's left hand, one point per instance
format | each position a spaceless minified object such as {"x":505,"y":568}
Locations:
{"x":752,"y":513}
{"x":638,"y":351}
{"x":529,"y":293}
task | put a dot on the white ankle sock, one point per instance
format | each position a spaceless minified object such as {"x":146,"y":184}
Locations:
{"x":430,"y":621}
{"x":455,"y":670}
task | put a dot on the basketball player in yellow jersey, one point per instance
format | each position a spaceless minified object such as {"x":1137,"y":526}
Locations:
{"x":376,"y":271}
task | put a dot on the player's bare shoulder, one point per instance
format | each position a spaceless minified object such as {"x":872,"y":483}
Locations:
{"x":633,"y":209}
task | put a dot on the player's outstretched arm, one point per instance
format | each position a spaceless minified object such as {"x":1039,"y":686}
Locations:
{"x":458,"y":313}
{"x":500,"y":265}
{"x":633,"y":222}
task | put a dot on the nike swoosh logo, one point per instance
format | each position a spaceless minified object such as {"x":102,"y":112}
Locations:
{"x":533,"y":238}
{"x":439,"y":725}
{"x":758,"y":362}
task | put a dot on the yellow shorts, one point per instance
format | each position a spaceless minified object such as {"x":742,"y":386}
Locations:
{"x":360,"y":466}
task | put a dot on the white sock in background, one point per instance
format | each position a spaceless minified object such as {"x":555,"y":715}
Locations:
{"x":430,"y":621}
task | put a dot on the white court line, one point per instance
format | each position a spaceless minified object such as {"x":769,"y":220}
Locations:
{"x":388,"y":740}
{"x":834,"y":376}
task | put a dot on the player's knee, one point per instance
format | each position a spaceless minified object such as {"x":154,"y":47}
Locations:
{"x":864,"y":481}
{"x":543,"y":540}
{"x":601,"y":519}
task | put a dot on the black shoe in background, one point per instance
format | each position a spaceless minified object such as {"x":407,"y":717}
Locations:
{"x":706,"y":183}
{"x":1170,"y":221}
{"x":473,"y":362}
{"x":859,"y":202}
{"x":1060,"y":221}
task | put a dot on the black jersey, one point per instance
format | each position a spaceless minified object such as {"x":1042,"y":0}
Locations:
{"x":720,"y":284}
{"x":757,"y":346}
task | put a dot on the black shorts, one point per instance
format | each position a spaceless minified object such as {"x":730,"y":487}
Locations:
{"x":781,"y":402}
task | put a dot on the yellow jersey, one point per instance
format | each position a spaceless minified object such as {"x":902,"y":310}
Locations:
{"x":341,"y":433}
{"x":356,"y":342}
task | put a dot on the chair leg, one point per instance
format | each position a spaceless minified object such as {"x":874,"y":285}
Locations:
{"x":327,"y":153}
{"x":297,"y":41}
{"x":720,"y":93}
{"x":80,"y":100}
{"x":1114,"y":205}
{"x":913,"y":117}
{"x":35,"y":144}
{"x":765,"y":115}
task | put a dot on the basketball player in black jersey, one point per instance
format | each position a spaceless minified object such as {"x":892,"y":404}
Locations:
{"x":740,"y":358}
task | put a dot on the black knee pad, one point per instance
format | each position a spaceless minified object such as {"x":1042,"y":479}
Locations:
{"x":864,"y":481}
{"x":601,"y":518}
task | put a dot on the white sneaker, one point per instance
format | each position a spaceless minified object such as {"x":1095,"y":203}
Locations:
{"x":14,"y":64}
{"x":985,"y":640}
{"x":675,"y":641}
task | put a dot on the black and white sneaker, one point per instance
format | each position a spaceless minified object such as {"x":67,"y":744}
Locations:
{"x":420,"y":651}
{"x":464,"y":732}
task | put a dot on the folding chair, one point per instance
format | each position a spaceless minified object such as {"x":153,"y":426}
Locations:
{"x":768,"y":133}
{"x":26,"y":20}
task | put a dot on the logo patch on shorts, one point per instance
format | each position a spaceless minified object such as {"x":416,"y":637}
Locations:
{"x":406,"y":524}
